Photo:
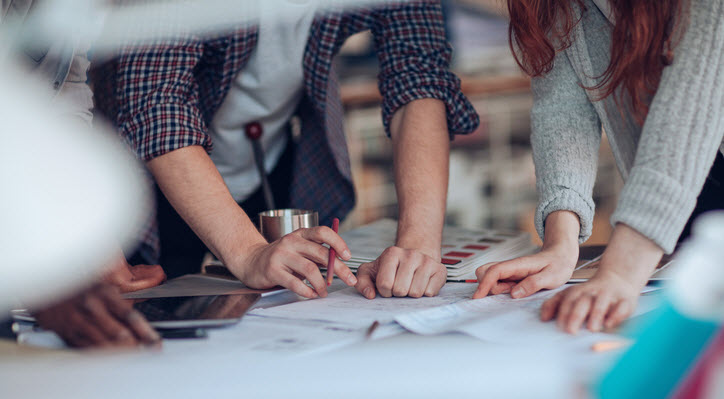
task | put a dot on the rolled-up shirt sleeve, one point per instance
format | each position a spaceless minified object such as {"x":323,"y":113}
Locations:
{"x":414,"y":60}
{"x":158,"y":98}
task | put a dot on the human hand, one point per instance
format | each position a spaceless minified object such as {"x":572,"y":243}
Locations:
{"x":604,"y":301}
{"x":98,"y":317}
{"x":611,"y":295}
{"x":293,"y":258}
{"x":133,"y":278}
{"x":401,"y":272}
{"x":524,"y":276}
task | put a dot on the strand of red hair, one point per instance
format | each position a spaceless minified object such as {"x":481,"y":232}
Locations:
{"x":644,"y":37}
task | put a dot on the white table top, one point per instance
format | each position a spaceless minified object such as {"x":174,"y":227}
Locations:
{"x":237,"y":361}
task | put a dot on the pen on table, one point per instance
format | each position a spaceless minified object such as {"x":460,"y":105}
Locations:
{"x":332,"y":255}
{"x":372,"y":329}
{"x":182,"y":333}
{"x":605,"y":346}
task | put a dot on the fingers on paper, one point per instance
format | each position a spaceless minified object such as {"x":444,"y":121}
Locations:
{"x":344,"y":273}
{"x":598,"y":312}
{"x":578,"y":313}
{"x":490,"y":275}
{"x":310,"y":271}
{"x":437,"y":281}
{"x":545,"y":279}
{"x":619,"y":313}
{"x":297,"y":286}
{"x":549,"y":309}
{"x":366,"y":275}
{"x":387,"y":265}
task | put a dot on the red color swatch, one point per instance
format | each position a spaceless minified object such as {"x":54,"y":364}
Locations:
{"x":446,"y":261}
{"x":456,"y":254}
{"x":477,"y":247}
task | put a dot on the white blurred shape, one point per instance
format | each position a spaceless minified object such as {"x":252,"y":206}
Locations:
{"x":697,"y":286}
{"x":70,"y":196}
{"x":133,"y":23}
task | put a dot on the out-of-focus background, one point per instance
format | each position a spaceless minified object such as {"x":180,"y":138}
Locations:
{"x":492,"y":178}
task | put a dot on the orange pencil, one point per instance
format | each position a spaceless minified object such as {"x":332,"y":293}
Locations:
{"x":332,"y":255}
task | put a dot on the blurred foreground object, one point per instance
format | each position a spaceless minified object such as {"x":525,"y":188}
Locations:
{"x":667,"y":350}
{"x":70,"y":196}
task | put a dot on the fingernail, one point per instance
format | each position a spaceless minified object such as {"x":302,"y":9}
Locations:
{"x":595,"y":326}
{"x":352,"y":280}
{"x":518,"y":292}
{"x":346,"y":254}
{"x":367,"y":292}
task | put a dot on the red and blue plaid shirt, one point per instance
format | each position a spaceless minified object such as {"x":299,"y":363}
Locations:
{"x":163,"y":97}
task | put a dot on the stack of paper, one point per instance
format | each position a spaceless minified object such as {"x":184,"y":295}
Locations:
{"x":463,"y":250}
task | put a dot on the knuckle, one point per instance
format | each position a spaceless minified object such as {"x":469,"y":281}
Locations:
{"x":87,"y":304}
{"x":321,"y":231}
{"x":384,"y":285}
{"x":394,"y":251}
{"x":309,"y":268}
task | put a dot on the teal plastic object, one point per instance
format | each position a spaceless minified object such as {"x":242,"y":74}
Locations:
{"x":664,"y":353}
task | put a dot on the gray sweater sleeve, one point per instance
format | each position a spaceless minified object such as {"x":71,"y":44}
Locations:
{"x":566,"y":135}
{"x":681,"y":135}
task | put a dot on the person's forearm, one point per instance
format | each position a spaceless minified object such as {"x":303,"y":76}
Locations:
{"x":194,"y":187}
{"x":421,"y":158}
{"x":631,"y":255}
{"x":561,"y":230}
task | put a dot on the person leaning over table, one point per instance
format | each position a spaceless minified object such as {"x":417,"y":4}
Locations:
{"x":652,"y":76}
{"x":97,"y":315}
{"x":171,"y":100}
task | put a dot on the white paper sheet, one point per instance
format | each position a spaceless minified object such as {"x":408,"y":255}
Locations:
{"x":500,"y":319}
{"x":349,"y":307}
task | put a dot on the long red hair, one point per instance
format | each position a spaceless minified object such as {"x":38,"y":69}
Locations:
{"x":643,"y":40}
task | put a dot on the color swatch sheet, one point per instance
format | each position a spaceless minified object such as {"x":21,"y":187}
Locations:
{"x":463,"y":250}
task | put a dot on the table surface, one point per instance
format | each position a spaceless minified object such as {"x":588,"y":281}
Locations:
{"x":225,"y":365}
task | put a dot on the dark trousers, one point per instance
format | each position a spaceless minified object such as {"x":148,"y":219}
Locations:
{"x":182,"y":251}
{"x":711,"y":196}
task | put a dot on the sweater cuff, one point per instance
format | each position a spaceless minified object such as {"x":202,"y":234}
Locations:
{"x":656,"y":206}
{"x":558,"y":194}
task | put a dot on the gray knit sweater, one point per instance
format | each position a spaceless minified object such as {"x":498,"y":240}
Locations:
{"x":664,"y":163}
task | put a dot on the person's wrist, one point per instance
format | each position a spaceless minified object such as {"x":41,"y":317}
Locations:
{"x":237,"y":260}
{"x":561,"y":232}
{"x":428,"y":247}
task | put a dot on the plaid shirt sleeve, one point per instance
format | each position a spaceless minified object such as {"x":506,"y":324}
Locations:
{"x":158,"y":98}
{"x":414,"y":60}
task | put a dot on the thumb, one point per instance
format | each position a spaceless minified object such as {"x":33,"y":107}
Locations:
{"x":531,"y":284}
{"x":144,"y":276}
{"x":366,"y":276}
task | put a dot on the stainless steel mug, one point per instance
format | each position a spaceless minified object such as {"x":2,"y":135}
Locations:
{"x":277,"y":223}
